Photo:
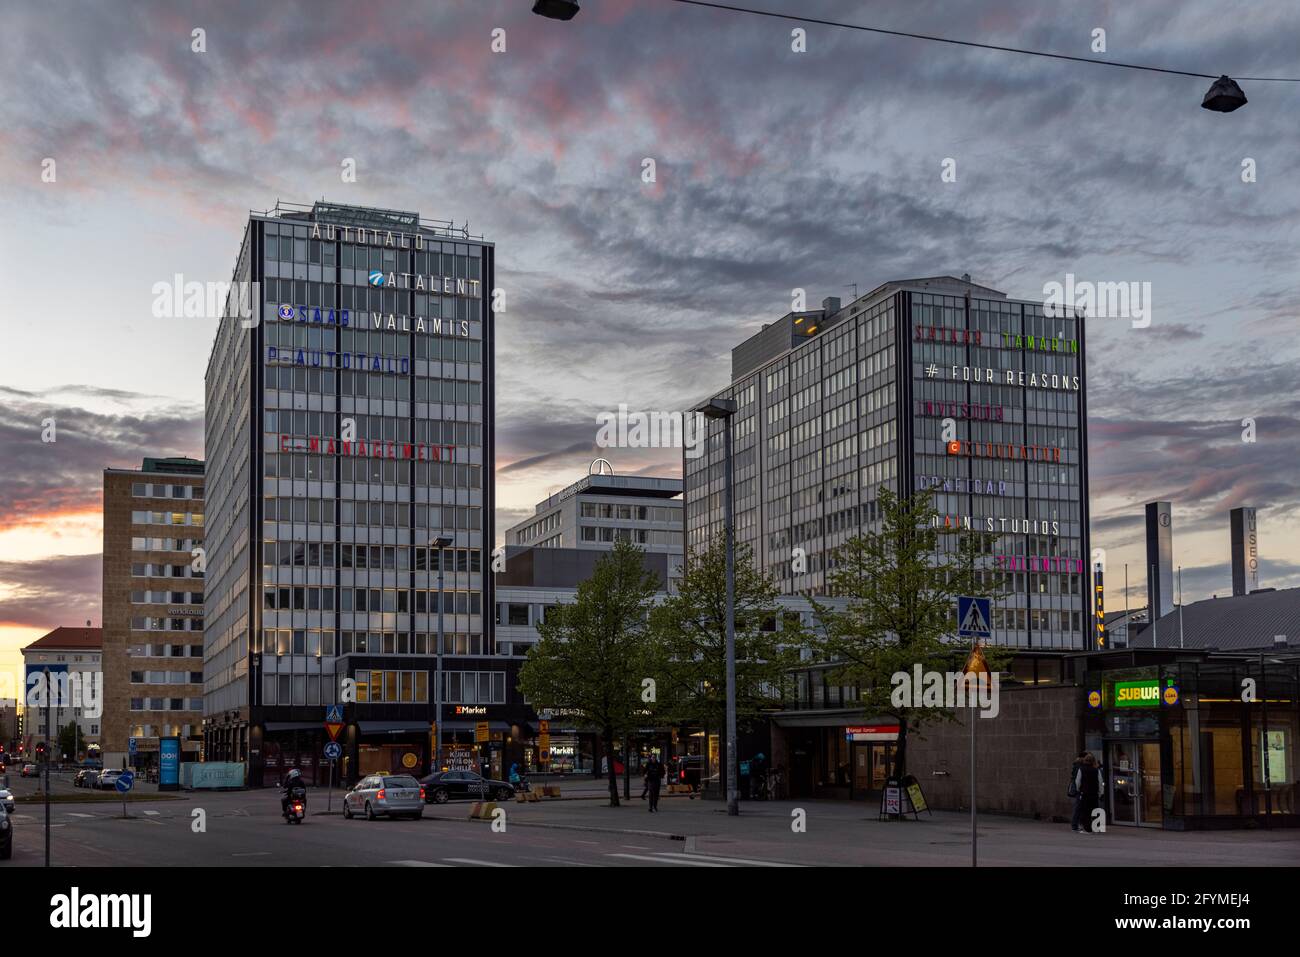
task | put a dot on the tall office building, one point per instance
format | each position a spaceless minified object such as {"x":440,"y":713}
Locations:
{"x":349,"y":424}
{"x":836,"y":402}
{"x":1160,"y":558}
{"x":153,"y":609}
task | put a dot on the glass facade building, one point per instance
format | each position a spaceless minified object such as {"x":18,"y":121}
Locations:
{"x":833,"y":404}
{"x":349,"y":422}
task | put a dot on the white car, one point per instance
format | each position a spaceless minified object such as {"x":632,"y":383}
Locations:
{"x":392,"y":795}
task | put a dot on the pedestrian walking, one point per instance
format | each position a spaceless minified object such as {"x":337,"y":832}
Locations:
{"x":1091,"y":788}
{"x":1072,"y":789}
{"x":654,"y":775}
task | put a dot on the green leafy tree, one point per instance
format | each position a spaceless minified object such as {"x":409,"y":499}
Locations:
{"x":691,"y":630}
{"x":592,"y":656}
{"x":899,"y":590}
{"x":69,"y":738}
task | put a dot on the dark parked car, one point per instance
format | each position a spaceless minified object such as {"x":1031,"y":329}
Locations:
{"x":6,"y":835}
{"x":85,"y":778}
{"x":30,"y":771}
{"x":443,"y":786}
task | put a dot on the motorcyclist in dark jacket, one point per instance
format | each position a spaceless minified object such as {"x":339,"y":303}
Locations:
{"x":292,"y":782}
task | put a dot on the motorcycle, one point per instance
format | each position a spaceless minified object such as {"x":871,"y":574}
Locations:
{"x":295,"y":809}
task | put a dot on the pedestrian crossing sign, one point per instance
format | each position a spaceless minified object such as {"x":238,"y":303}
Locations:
{"x":973,"y":617}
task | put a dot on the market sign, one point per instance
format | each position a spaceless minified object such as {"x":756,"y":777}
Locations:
{"x":871,"y":732}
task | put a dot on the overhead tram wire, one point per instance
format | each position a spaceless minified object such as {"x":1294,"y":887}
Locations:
{"x":971,"y":43}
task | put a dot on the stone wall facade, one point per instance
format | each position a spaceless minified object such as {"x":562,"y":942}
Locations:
{"x":1023,"y":756}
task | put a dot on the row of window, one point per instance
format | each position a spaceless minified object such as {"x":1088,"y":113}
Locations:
{"x":148,"y":597}
{"x":389,"y":600}
{"x":165,"y":544}
{"x":326,"y":468}
{"x":166,"y":677}
{"x":166,"y":704}
{"x":165,"y":651}
{"x":373,"y":342}
{"x":396,"y":557}
{"x":386,"y":687}
{"x":161,"y":570}
{"x":156,"y":490}
{"x":167,"y":518}
{"x":640,"y":513}
{"x":167,"y":624}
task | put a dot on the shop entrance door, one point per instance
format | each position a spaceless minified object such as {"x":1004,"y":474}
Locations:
{"x":1133,"y":781}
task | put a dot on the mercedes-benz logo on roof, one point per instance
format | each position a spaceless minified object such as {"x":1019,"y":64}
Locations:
{"x":600,"y":467}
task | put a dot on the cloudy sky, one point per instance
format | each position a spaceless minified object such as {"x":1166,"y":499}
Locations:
{"x":775,"y":170}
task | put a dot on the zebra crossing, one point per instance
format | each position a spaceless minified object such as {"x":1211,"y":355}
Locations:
{"x":652,"y":858}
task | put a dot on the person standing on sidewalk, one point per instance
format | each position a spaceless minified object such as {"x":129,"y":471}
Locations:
{"x":1072,"y":790}
{"x":654,"y":774}
{"x":1088,"y":780}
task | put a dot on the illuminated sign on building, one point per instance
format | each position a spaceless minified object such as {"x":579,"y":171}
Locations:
{"x":1100,"y":614}
{"x":1039,"y":563}
{"x":373,"y":321}
{"x":1011,"y":340}
{"x":1144,"y":694}
{"x":999,"y":450}
{"x":1035,"y":380}
{"x":970,"y":337}
{"x":328,"y":445}
{"x":361,"y":361}
{"x":959,"y":410}
{"x":1001,"y":526}
{"x":960,"y":486}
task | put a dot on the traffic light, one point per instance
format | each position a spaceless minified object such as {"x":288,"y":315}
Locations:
{"x":40,"y":750}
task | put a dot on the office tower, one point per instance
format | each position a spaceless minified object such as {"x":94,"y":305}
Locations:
{"x":349,"y":425}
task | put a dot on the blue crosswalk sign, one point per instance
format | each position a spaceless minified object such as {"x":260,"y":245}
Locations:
{"x":334,"y":714}
{"x":973,"y":617}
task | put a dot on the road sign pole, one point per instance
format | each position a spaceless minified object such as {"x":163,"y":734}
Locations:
{"x":974,"y":837}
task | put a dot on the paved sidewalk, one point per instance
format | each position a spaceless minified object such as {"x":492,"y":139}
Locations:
{"x":848,"y":834}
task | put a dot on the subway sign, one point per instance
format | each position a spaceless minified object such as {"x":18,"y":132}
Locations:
{"x":1143,"y":694}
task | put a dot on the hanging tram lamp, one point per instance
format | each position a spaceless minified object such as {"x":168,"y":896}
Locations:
{"x":1224,"y":96}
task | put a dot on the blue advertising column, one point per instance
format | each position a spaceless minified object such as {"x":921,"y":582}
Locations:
{"x":169,"y":764}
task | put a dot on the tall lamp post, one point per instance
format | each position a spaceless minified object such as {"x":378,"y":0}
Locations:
{"x":438,"y":545}
{"x":724,"y":409}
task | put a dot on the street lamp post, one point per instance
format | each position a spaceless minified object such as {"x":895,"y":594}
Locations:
{"x":724,"y":409}
{"x":439,"y":543}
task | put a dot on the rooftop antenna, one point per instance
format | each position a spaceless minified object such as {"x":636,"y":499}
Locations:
{"x":854,"y":287}
{"x":1180,"y":606}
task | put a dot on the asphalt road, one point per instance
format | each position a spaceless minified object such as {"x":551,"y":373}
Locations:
{"x":245,"y":829}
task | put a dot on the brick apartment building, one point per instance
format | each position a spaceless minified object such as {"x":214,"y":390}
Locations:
{"x":153,"y":609}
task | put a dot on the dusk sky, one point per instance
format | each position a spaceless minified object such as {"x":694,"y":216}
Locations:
{"x":775,"y":170}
